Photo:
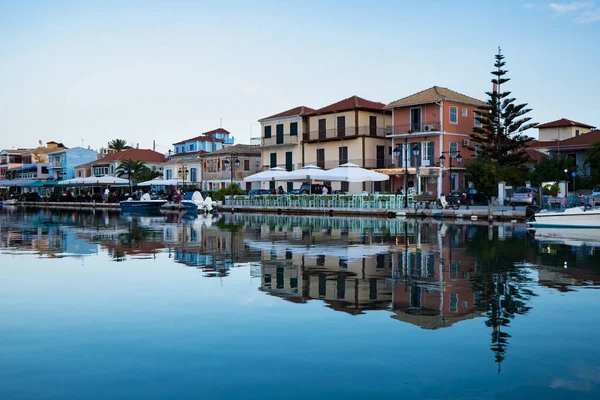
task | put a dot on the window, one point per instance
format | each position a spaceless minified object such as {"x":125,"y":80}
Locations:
{"x":465,"y":112}
{"x":322,"y":128}
{"x":246,"y":165}
{"x":345,"y":186}
{"x":373,"y":125}
{"x":453,"y":302}
{"x":279,"y":132}
{"x":279,"y":278}
{"x":169,"y":174}
{"x":453,"y":115}
{"x":341,"y":287}
{"x":576,"y":132}
{"x":453,"y":149}
{"x":477,"y":150}
{"x":293,"y":129}
{"x":193,"y":175}
{"x":321,"y":158}
{"x":273,"y":160}
{"x":341,"y":126}
{"x":454,"y":270}
{"x":289,"y":164}
{"x":415,"y":119}
{"x":267,"y":132}
{"x":211,"y":165}
{"x":191,"y":147}
{"x":477,"y":114}
{"x":343,"y":155}
{"x":427,"y":158}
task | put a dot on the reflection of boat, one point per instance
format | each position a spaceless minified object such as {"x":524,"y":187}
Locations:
{"x":569,"y":236}
{"x":11,"y":202}
{"x":574,"y":217}
{"x":145,"y":204}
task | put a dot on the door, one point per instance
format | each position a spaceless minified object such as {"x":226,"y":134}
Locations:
{"x":322,"y":129}
{"x":343,"y":155}
{"x":279,"y":131}
{"x":415,"y":119}
{"x":321,"y":158}
{"x":380,"y":162}
{"x":273,"y":160}
{"x":341,"y":126}
{"x":289,"y":165}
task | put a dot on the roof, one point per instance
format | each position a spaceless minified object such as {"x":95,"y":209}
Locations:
{"x":86,"y":165}
{"x":351,"y":103}
{"x":563,"y":122}
{"x":144,"y":155}
{"x":292,"y":112}
{"x":63,"y":149}
{"x":237,"y":149}
{"x":535,"y":155}
{"x":15,"y":151}
{"x":182,"y":160}
{"x":583,"y":141}
{"x":435,"y":94}
{"x":188,"y":153}
{"x":206,"y":136}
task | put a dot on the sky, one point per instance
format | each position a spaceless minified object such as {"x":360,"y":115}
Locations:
{"x":87,"y":72}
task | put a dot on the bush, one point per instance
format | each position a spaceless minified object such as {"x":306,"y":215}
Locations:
{"x":550,"y":190}
{"x":231,"y":190}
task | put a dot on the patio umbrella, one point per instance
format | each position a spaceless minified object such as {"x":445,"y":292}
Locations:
{"x":307,"y":173}
{"x":272,"y":174}
{"x":102,"y":180}
{"x":353,"y":173}
{"x":162,"y":182}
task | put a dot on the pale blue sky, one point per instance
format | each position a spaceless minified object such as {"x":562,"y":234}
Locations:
{"x":168,"y":70}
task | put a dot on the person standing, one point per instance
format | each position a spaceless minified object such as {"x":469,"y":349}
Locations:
{"x":106,"y":194}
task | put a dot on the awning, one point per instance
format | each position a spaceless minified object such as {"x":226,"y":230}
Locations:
{"x":40,"y":183}
{"x":396,"y":171}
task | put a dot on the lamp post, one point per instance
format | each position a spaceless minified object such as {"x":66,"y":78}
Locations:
{"x":130,"y":182}
{"x":451,"y":155}
{"x":234,"y":163}
{"x":183,"y":171}
{"x":416,"y":150}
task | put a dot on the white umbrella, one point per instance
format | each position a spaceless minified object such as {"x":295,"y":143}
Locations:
{"x":307,"y":173}
{"x":102,"y":180}
{"x":162,"y":182}
{"x":272,"y":174}
{"x":353,"y":173}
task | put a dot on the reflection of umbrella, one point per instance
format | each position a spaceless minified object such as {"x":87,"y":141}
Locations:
{"x":272,"y":174}
{"x":353,"y":173}
{"x":162,"y":182}
{"x":344,"y":251}
{"x":308,"y":173}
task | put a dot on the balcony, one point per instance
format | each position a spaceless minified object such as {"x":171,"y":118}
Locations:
{"x":417,"y":128}
{"x":273,"y":141}
{"x":369,"y":163}
{"x":342,"y":133}
{"x":238,"y":174}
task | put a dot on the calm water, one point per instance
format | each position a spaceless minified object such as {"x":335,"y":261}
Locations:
{"x":103,"y":306}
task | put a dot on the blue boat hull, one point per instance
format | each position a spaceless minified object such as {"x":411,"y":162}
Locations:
{"x":142,"y":206}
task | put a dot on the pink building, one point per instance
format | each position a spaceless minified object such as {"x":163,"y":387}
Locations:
{"x":426,"y":126}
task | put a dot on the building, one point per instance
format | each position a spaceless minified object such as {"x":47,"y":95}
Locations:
{"x":576,"y":147}
{"x":208,"y":141}
{"x":352,"y":130}
{"x":63,"y":161}
{"x":108,"y":165}
{"x":230,"y":165}
{"x":436,"y":121}
{"x":11,"y":159}
{"x":187,"y":168}
{"x":279,"y":141}
{"x":561,"y":129}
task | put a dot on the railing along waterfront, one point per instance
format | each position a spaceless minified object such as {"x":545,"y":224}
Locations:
{"x":350,"y":201}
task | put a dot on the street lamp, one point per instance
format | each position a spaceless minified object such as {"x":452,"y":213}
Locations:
{"x":416,"y":150}
{"x":234,"y":163}
{"x":130,"y":182}
{"x":451,"y":155}
{"x":183,"y":171}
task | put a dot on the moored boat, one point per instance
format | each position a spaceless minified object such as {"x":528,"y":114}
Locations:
{"x":145,"y":204}
{"x":582,"y":217}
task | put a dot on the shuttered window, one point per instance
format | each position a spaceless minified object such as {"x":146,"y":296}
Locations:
{"x":267,"y":132}
{"x":279,"y":130}
{"x":273,"y":162}
{"x":321,"y":158}
{"x":294,"y":129}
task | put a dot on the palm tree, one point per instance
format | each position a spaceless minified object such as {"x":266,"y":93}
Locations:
{"x":147,"y":174}
{"x":130,"y":168}
{"x":118,"y":145}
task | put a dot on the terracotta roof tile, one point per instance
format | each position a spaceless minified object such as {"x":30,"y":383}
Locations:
{"x":578,"y":142}
{"x":207,"y":136}
{"x":563,"y":122}
{"x":351,"y":103}
{"x":293,"y":112}
{"x":144,"y":155}
{"x":535,"y":155}
{"x":237,"y":149}
{"x":189,"y":153}
{"x":433,"y":95}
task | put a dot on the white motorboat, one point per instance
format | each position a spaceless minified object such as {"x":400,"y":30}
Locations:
{"x":145,"y":204}
{"x":197,"y":202}
{"x":10,"y":202}
{"x":582,"y":217}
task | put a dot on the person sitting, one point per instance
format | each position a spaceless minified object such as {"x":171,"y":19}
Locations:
{"x":324,"y":191}
{"x":280,"y":190}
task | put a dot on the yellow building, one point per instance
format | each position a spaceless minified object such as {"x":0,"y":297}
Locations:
{"x":562,"y":129}
{"x":280,"y":140}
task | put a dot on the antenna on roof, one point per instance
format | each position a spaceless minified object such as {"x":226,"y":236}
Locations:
{"x":220,"y":122}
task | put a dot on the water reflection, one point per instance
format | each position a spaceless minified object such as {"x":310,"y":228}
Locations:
{"x":428,"y":274}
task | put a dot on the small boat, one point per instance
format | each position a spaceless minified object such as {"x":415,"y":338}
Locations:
{"x":197,"y":202}
{"x":582,"y":217}
{"x":145,"y":204}
{"x":10,"y":202}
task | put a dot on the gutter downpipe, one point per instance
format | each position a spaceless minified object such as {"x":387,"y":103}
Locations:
{"x":439,"y":182}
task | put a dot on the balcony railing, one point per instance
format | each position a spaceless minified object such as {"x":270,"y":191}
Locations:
{"x":370,"y":163}
{"x":345,"y":133}
{"x":279,"y":140}
{"x":417,"y":128}
{"x":238,"y":174}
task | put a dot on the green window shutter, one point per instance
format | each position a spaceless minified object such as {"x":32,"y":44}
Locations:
{"x":273,"y":160}
{"x":290,"y":186}
{"x":267,"y":132}
{"x":289,"y":165}
{"x":279,"y":134}
{"x":294,"y":129}
{"x":430,"y":153}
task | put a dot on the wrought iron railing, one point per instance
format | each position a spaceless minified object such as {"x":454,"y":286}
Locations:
{"x":345,"y":132}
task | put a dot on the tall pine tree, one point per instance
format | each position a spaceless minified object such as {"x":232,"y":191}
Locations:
{"x":500,"y":137}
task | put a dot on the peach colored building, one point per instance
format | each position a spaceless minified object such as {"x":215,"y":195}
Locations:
{"x":437,"y":121}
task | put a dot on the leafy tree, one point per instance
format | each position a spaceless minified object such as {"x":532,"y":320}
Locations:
{"x":231,"y":190}
{"x":551,"y":169}
{"x":147,"y":174}
{"x":118,"y":145}
{"x":485,"y":175}
{"x":500,"y":138}
{"x":593,"y":158}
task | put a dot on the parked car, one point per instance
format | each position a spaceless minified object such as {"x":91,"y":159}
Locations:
{"x":316,"y":188}
{"x":259,"y":192}
{"x":525,"y":195}
{"x":294,"y":191}
{"x":596,"y":195}
{"x":470,"y":196}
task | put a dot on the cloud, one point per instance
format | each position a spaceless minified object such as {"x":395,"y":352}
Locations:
{"x":587,"y":11}
{"x":563,"y":8}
